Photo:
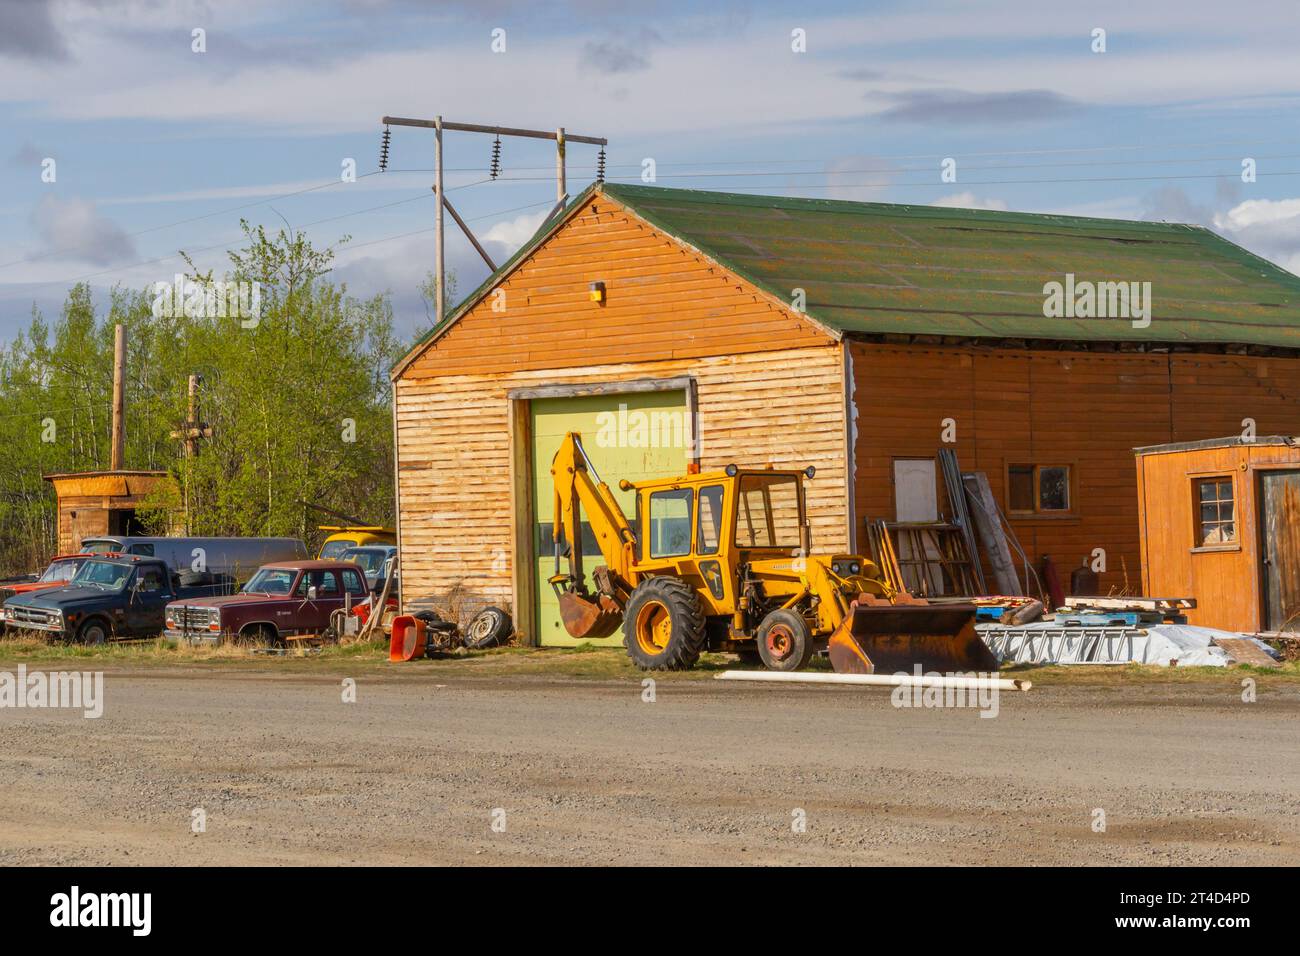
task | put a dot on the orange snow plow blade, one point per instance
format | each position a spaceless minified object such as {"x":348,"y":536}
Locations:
{"x":877,"y":637}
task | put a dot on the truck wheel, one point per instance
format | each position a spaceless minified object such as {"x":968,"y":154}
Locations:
{"x":784,"y":641}
{"x":490,"y":627}
{"x":93,"y":631}
{"x":663,"y":626}
{"x":260,"y":635}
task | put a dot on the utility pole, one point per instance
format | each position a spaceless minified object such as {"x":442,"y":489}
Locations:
{"x":191,"y":431}
{"x":117,"y":452}
{"x":561,"y":188}
{"x":438,"y":252}
{"x":438,"y":125}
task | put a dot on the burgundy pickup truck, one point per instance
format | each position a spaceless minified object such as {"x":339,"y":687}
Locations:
{"x":280,"y":601}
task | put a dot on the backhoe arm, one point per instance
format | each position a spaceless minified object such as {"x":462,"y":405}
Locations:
{"x":578,"y":488}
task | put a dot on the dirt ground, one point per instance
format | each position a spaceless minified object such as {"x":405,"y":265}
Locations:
{"x":420,"y":767}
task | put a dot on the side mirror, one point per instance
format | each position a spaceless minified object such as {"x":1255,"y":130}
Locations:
{"x":311,"y":593}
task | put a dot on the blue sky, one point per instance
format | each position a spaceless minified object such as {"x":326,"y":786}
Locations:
{"x":159,"y":148}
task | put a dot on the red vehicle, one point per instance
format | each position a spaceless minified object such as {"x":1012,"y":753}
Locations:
{"x":59,"y":572}
{"x":280,"y":601}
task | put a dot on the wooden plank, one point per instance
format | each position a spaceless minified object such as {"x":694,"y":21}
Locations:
{"x":985,"y":515}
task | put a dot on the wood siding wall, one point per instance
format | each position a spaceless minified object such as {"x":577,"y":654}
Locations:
{"x":455,"y":446}
{"x":1087,"y":410}
{"x":664,"y":301}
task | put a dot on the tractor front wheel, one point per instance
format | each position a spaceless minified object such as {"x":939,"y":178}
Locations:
{"x":663,"y":625}
{"x":784,"y":641}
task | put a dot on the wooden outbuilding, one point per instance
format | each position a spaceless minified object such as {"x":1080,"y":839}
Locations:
{"x":1220,"y":521}
{"x":97,"y":503}
{"x":674,"y":327}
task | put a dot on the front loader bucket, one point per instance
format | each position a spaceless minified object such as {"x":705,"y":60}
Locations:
{"x":882,"y":638}
{"x":589,"y":619}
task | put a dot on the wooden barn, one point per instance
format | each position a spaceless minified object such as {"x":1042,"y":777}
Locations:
{"x":682,"y":327}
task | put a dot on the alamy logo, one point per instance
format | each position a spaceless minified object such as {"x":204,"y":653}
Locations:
{"x":1085,"y":299}
{"x":934,"y":690}
{"x":639,"y":429}
{"x":103,"y":909}
{"x":68,"y":690}
{"x":208,"y":300}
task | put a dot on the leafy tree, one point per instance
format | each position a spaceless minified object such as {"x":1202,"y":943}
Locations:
{"x":297,"y":396}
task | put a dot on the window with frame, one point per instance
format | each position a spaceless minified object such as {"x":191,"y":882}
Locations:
{"x":1215,"y":510}
{"x":670,"y":522}
{"x":709,"y":532}
{"x":768,"y":511}
{"x":1038,"y":489}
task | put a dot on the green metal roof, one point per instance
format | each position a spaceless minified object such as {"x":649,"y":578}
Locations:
{"x":873,"y":268}
{"x":884,"y":268}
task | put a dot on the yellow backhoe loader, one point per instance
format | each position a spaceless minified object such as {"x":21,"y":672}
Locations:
{"x":723,"y":560}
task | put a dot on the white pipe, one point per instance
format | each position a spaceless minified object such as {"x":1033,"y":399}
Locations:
{"x":885,"y":680}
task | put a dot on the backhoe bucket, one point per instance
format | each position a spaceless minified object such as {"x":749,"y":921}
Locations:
{"x":589,"y":618}
{"x":882,"y":638}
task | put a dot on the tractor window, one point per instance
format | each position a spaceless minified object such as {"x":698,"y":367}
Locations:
{"x":670,"y":523}
{"x":710,"y":530}
{"x":767,"y":513}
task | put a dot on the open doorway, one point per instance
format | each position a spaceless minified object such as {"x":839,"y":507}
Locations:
{"x":122,"y":522}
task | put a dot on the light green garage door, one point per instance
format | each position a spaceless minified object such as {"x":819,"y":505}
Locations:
{"x":635,"y":436}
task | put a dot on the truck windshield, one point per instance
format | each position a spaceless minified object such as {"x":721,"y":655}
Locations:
{"x":100,"y":546}
{"x":104,"y":574}
{"x":371,"y":560}
{"x":333,"y":549}
{"x":270,"y":581}
{"x":59,"y":571}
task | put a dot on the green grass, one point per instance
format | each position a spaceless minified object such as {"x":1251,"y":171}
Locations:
{"x":583,"y":662}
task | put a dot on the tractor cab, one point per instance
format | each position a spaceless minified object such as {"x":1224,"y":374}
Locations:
{"x":728,"y":513}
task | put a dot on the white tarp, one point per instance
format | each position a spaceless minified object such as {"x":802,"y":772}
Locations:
{"x":1045,"y":642}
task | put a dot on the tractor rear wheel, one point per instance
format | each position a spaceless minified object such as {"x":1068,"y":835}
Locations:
{"x":663,"y":625}
{"x":784,"y":641}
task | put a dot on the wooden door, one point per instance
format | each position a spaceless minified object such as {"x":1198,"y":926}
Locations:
{"x":1279,"y":526}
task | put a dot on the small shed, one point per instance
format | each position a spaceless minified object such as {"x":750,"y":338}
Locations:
{"x":95,"y":503}
{"x":1220,"y":522}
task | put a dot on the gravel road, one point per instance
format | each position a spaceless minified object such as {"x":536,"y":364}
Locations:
{"x":420,"y":767}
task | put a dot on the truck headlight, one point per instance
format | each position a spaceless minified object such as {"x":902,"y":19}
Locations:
{"x":214,"y":619}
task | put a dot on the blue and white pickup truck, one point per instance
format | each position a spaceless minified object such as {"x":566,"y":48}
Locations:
{"x":109,"y":598}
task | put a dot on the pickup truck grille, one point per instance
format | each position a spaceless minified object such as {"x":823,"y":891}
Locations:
{"x":191,"y":618}
{"x":38,"y":617}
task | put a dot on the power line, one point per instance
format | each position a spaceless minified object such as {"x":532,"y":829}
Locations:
{"x":227,"y":210}
{"x":232,"y":242}
{"x":991,"y":182}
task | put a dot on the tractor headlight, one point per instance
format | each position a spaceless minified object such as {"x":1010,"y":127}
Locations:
{"x":854,"y":568}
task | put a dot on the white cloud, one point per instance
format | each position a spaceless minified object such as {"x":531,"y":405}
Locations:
{"x":510,"y":234}
{"x":1268,"y":227}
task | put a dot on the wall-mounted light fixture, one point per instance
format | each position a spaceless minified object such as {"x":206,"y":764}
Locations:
{"x":596,"y":292}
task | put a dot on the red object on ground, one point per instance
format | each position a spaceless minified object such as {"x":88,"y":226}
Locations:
{"x":407,"y":642}
{"x":1052,"y":581}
